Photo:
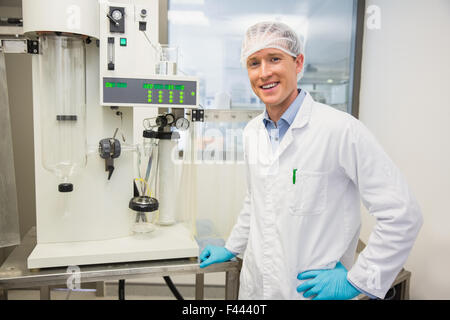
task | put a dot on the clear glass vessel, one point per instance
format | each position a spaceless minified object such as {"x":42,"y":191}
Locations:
{"x":62,"y":92}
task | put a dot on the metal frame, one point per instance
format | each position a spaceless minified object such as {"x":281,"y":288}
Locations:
{"x":356,"y":55}
{"x":15,"y":274}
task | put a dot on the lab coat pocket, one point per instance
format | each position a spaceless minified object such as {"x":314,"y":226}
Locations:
{"x":309,"y":193}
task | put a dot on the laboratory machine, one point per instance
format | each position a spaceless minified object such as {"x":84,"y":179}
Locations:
{"x":109,"y":110}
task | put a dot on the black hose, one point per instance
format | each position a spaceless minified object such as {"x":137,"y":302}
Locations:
{"x":172,"y":288}
{"x":392,"y":292}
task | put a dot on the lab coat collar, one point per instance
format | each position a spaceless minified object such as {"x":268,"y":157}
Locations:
{"x":289,"y":115}
{"x":302,"y":118}
{"x":304,"y":114}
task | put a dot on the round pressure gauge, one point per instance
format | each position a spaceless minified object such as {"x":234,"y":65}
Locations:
{"x":117,"y":15}
{"x":182,"y":124}
{"x":170,"y":118}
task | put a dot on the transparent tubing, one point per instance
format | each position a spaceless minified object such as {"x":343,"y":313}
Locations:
{"x":62,"y":90}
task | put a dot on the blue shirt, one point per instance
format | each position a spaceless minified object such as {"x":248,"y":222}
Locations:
{"x":277,"y":130}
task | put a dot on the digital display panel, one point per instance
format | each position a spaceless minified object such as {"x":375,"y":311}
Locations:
{"x":150,"y":91}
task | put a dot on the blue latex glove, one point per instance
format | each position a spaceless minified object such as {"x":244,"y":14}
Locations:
{"x":327,"y":284}
{"x":214,"y":254}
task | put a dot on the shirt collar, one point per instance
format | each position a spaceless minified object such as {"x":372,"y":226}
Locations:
{"x":291,"y":112}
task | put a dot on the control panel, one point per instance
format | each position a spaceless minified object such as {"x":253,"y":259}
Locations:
{"x":173,"y":92}
{"x":129,"y":53}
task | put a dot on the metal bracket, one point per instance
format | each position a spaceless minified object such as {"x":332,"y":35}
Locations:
{"x":109,"y":149}
{"x":33,"y":46}
{"x":198,"y":115}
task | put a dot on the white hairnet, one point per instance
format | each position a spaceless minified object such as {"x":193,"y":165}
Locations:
{"x":271,"y":34}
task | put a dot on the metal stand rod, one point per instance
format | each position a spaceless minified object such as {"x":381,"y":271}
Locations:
{"x":4,"y":294}
{"x":121,"y":289}
{"x":231,"y":285}
{"x":199,"y":286}
{"x":45,"y":293}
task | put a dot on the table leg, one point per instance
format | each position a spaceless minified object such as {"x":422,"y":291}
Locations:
{"x":405,"y":287}
{"x":121,"y":289}
{"x":199,"y":286}
{"x":45,"y":293}
{"x":231,"y":285}
{"x":100,"y":289}
{"x":4,"y":294}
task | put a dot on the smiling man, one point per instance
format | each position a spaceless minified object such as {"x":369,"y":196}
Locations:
{"x":300,"y":223}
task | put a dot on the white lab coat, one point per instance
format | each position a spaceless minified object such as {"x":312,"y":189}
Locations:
{"x":286,"y":228}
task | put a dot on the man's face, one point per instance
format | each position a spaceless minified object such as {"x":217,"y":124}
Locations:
{"x":273,"y":76}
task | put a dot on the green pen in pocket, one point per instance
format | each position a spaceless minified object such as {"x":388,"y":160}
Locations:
{"x":294,"y":174}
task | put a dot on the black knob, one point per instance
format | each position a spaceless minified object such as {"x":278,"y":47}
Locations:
{"x":65,"y":187}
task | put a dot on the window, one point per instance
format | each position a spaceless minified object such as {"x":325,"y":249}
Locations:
{"x":209,"y":34}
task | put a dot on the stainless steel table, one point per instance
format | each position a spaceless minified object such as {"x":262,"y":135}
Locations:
{"x":15,"y":274}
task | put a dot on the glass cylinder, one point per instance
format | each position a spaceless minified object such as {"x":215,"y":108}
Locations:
{"x":62,"y":91}
{"x":168,"y":60}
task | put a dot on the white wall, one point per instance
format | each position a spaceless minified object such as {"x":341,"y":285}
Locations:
{"x":405,"y":102}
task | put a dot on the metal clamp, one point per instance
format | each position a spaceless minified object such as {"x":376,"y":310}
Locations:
{"x":33,"y":46}
{"x":198,"y":115}
{"x":109,"y":149}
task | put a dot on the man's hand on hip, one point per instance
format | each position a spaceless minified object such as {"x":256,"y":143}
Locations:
{"x":327,"y":284}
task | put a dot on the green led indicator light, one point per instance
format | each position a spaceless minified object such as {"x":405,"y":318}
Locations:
{"x":123,"y":42}
{"x":116,"y":85}
{"x":192,"y":93}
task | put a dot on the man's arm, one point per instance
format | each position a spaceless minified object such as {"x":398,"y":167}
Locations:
{"x":385,"y":194}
